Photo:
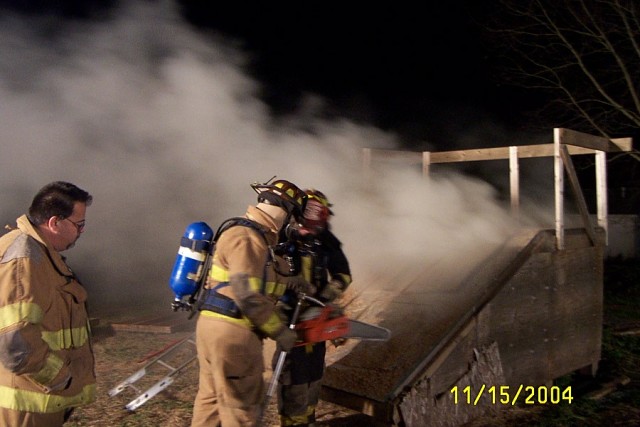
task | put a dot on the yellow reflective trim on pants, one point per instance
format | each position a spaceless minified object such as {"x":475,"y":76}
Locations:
{"x":299,"y":420}
{"x":20,"y":312}
{"x":241,"y":322}
{"x":33,"y":401}
{"x":49,"y":371}
{"x":66,"y":338}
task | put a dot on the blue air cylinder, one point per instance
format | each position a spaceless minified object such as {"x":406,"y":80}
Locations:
{"x":188,"y":269}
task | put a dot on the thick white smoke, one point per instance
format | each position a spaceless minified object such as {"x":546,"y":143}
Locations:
{"x":164,"y":128}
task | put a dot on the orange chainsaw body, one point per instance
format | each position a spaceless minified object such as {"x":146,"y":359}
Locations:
{"x":329,"y":325}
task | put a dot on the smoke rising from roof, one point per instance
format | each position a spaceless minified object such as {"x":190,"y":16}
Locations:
{"x":164,"y":128}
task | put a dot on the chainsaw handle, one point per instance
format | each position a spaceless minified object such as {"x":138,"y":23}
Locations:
{"x":302,"y":296}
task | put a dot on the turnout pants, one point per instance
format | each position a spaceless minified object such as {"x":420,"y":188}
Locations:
{"x":9,"y":417}
{"x":300,"y":383}
{"x":231,"y":386}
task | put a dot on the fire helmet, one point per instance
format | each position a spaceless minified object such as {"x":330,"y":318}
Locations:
{"x":317,"y":210}
{"x":282,"y":193}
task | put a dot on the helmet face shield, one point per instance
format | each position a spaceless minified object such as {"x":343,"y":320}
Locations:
{"x":315,"y":216}
{"x":313,"y":194}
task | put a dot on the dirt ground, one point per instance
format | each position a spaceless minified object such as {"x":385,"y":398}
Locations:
{"x":120,"y":354}
{"x":612,"y":398}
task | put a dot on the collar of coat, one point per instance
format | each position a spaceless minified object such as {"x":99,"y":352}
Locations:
{"x":56,"y":258}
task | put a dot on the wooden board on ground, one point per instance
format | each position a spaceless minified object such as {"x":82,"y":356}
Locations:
{"x":159,"y":324}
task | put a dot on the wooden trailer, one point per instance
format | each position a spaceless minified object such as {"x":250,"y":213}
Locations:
{"x":467,"y":340}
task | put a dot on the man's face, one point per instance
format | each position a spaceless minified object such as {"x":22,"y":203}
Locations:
{"x":71,"y":227}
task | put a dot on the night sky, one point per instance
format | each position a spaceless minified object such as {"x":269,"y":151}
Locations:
{"x":422,"y":70}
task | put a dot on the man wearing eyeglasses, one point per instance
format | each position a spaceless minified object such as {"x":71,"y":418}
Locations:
{"x":46,"y":360}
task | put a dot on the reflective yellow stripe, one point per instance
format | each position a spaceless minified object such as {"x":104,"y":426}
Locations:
{"x":255,"y":283}
{"x":20,"y":312}
{"x":219,"y":274}
{"x":346,"y":279}
{"x":32,"y":313}
{"x":33,"y":401}
{"x":66,"y":338}
{"x":275,"y":289}
{"x":241,"y":322}
{"x":306,"y":268}
{"x":271,"y":326}
{"x":49,"y":371}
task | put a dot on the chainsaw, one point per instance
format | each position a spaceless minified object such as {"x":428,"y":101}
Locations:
{"x":321,"y":323}
{"x":328,"y":323}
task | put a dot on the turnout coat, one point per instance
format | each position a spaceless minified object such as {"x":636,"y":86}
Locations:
{"x":46,"y":359}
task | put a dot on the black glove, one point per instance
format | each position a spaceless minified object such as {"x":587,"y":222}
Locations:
{"x":332,"y":291}
{"x":286,"y":339}
{"x":299,"y":284}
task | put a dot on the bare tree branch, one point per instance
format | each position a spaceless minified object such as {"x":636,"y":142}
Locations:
{"x":586,"y":53}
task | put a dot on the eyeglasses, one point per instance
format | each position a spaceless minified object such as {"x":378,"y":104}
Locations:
{"x":79,"y":225}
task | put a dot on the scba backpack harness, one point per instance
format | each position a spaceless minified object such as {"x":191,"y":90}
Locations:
{"x":192,"y":265}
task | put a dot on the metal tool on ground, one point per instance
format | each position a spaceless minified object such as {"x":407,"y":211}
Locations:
{"x":171,"y":358}
{"x":320,"y":323}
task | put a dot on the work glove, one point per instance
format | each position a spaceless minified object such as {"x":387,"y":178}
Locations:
{"x":299,"y":284}
{"x":332,"y":291}
{"x":286,"y":339}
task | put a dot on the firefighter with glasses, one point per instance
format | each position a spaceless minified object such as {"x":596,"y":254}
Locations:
{"x":46,"y":359}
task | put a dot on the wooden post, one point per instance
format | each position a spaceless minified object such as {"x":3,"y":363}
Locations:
{"x":514,"y":177}
{"x":426,"y":163}
{"x":558,"y":188}
{"x":601,"y":192}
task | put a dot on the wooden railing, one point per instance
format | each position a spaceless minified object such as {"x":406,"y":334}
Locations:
{"x":566,"y":143}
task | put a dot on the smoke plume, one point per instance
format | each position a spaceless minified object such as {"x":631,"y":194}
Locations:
{"x":163,"y":126}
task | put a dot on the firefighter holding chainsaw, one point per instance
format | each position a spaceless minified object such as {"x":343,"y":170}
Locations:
{"x":238,"y":310}
{"x":316,"y":253}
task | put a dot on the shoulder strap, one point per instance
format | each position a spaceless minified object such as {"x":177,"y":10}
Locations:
{"x":245,"y":222}
{"x":228,"y":223}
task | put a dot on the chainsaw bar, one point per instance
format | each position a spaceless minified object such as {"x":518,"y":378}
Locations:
{"x":366,"y":332}
{"x":329,"y":323}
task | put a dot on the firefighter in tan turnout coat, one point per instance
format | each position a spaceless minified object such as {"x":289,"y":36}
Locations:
{"x":46,"y":360}
{"x":238,"y":310}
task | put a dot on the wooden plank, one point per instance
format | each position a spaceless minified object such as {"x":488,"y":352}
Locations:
{"x":159,"y":324}
{"x":577,"y":192}
{"x":576,"y":146}
{"x":585,"y":140}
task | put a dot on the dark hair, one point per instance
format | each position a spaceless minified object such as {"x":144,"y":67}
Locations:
{"x":56,"y":199}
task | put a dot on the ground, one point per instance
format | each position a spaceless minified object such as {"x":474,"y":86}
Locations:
{"x":611,"y":398}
